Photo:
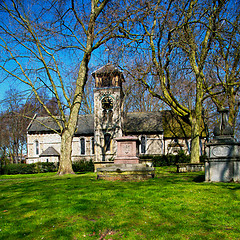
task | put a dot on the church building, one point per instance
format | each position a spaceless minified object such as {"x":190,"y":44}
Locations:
{"x":96,"y":133}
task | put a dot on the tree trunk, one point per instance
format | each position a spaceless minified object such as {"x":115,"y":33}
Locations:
{"x":65,"y":166}
{"x":233,"y":108}
{"x":195,"y":148}
{"x":65,"y":162}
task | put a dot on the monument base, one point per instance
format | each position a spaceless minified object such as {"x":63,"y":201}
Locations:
{"x":125,"y":172}
{"x":126,"y":160}
{"x":190,"y":167}
{"x":222,"y":170}
{"x":223,"y":162}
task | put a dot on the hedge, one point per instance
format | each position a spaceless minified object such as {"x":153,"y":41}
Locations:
{"x":168,"y":160}
{"x":83,"y":166}
{"x":39,"y":167}
{"x":42,"y":167}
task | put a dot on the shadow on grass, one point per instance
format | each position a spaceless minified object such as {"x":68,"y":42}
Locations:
{"x":199,"y":178}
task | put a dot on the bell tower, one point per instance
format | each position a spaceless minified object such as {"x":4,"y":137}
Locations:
{"x":108,"y":98}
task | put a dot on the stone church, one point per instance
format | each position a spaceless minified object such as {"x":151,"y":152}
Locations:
{"x":96,"y":133}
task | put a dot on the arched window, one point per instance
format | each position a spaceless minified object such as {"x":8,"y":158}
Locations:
{"x":104,"y":115}
{"x":92,"y":146}
{"x":110,"y":115}
{"x":36,"y":147}
{"x":143,"y":144}
{"x":107,"y":142}
{"x":82,"y":146}
{"x":107,"y":81}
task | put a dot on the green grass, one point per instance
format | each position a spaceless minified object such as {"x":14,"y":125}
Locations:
{"x":170,"y":206}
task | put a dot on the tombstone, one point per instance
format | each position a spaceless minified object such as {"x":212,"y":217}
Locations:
{"x":223,"y":153}
{"x":126,"y":164}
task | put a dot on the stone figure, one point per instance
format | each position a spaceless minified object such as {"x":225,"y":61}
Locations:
{"x":223,"y":130}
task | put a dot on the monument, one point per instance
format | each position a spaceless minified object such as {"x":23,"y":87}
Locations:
{"x":223,"y":153}
{"x":126,"y":164}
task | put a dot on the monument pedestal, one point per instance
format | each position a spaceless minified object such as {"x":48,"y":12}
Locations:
{"x":127,"y":150}
{"x":125,"y":172}
{"x":223,"y":153}
{"x":223,"y":162}
{"x":126,"y":165}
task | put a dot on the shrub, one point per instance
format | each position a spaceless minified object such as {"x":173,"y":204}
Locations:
{"x":39,"y":167}
{"x":43,"y":167}
{"x":167,"y":160}
{"x":83,"y":166}
{"x":12,"y":169}
{"x":181,"y":157}
{"x":203,"y":158}
{"x":3,"y":162}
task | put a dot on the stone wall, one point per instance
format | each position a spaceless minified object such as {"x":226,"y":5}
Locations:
{"x":155,"y":144}
{"x":54,"y":140}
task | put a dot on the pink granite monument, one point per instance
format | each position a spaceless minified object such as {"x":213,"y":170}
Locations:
{"x":126,"y":165}
{"x":127,"y":150}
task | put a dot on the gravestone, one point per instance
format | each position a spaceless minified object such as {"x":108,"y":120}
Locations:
{"x":223,"y":153}
{"x":126,"y":164}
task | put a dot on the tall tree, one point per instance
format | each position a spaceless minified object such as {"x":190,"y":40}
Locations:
{"x":223,"y":78}
{"x":177,"y":40}
{"x":41,"y":41}
{"x":13,"y":126}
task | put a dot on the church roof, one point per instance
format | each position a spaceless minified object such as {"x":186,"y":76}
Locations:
{"x":50,"y":151}
{"x":108,"y":68}
{"x":133,"y":123}
{"x":143,"y":122}
{"x":42,"y":124}
{"x":85,"y":125}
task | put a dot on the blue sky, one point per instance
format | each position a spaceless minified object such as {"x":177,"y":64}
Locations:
{"x":99,"y":56}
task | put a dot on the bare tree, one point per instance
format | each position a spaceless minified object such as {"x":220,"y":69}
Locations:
{"x":13,"y":126}
{"x":223,"y":76}
{"x":177,"y":40}
{"x":42,"y":41}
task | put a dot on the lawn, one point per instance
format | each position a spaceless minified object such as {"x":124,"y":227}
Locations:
{"x":170,"y":206}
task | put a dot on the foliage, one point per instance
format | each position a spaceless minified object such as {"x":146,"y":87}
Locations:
{"x":203,"y":158}
{"x":168,"y":160}
{"x":170,"y":206}
{"x":12,"y":169}
{"x":39,"y":167}
{"x":43,"y":167}
{"x":83,"y":166}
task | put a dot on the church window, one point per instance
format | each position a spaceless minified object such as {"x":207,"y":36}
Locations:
{"x":143,"y":144}
{"x":92,"y":145}
{"x":110,"y":115}
{"x":104,"y":115}
{"x":107,"y":81}
{"x":82,"y":146}
{"x":36,"y":147}
{"x":107,"y":142}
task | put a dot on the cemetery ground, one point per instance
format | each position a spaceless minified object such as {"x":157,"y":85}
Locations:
{"x":170,"y":206}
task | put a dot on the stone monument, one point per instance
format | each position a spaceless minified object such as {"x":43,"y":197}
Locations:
{"x":126,"y":164}
{"x":223,"y":153}
{"x":127,"y":150}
